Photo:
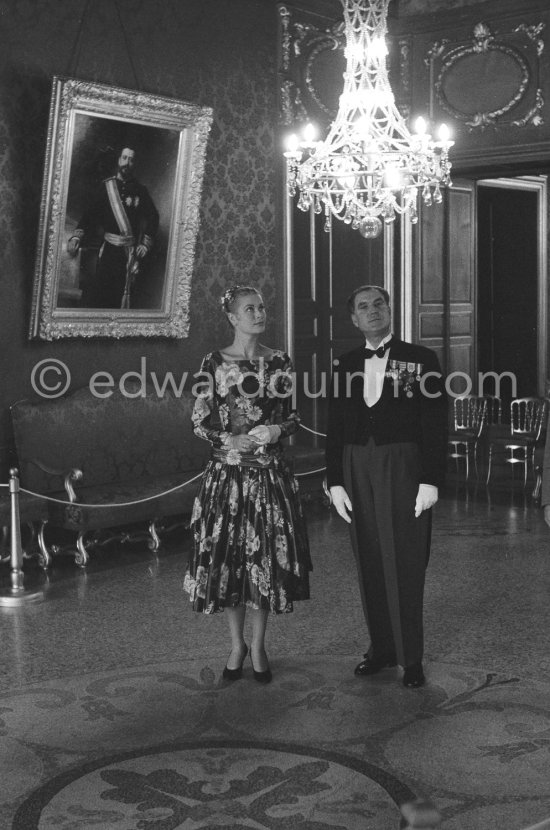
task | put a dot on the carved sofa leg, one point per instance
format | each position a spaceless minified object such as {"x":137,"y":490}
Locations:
{"x":154,"y":542}
{"x":45,"y":556}
{"x":81,"y":556}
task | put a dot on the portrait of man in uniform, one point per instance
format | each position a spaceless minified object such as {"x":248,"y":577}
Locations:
{"x":124,"y":217}
{"x":118,"y":216}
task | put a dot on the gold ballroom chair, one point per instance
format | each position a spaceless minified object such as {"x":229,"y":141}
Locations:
{"x":527,"y":422}
{"x":470,"y":417}
{"x":494,"y":413}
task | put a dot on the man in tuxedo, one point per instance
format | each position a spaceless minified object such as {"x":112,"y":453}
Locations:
{"x":386,"y":456}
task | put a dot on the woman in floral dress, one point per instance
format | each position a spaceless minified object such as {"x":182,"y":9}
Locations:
{"x":250,"y":545}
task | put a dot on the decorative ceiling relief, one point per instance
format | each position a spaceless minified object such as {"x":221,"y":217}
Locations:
{"x":491,"y":80}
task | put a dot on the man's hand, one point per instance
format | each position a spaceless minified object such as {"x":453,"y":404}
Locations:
{"x":141,"y":250}
{"x":73,"y":244}
{"x":340,"y":500}
{"x":547,"y":514}
{"x":426,"y":497}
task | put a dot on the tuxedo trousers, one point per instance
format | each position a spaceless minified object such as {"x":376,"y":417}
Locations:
{"x":390,"y":544}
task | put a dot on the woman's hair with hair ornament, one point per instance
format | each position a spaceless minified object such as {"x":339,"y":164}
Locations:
{"x":234,"y":291}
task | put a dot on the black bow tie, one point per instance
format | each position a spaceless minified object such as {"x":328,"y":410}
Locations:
{"x":379,"y":352}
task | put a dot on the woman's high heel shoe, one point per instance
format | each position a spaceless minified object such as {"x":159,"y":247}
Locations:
{"x":235,"y":674}
{"x":262,"y":676}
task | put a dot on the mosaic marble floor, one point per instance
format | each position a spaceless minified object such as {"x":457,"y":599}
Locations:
{"x":113,"y":712}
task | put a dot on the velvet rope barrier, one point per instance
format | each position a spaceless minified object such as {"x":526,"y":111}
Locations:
{"x":116,"y":503}
{"x":319,"y":469}
{"x":156,"y":495}
{"x":542,"y":825}
{"x":135,"y":501}
{"x":313,"y":431}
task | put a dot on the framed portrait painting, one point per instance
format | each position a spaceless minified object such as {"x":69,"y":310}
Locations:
{"x":119,"y":213}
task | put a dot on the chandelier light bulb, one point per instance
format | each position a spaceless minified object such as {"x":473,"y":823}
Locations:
{"x":444,"y":133}
{"x":310,"y":133}
{"x":370,"y":166}
{"x":292,"y":143}
{"x":420,"y":125}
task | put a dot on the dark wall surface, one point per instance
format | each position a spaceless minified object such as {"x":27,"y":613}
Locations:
{"x":217,"y":53}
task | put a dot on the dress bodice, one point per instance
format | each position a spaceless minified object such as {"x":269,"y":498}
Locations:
{"x":237,"y":395}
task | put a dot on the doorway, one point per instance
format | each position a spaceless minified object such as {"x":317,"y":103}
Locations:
{"x":511,"y":283}
{"x":477,"y":278}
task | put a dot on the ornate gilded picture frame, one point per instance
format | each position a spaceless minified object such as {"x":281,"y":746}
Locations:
{"x":119,"y":213}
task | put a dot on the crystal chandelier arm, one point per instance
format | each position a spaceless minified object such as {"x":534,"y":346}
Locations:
{"x":369,"y":165}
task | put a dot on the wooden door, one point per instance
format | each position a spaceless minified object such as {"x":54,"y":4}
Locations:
{"x":443,"y":285}
{"x":326,"y":267}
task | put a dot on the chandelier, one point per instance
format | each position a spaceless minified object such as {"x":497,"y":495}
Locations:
{"x":370,"y":167}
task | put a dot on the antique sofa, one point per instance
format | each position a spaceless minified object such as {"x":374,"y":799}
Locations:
{"x":109,"y":465}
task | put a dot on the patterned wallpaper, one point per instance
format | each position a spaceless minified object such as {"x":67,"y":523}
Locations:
{"x":220,"y":53}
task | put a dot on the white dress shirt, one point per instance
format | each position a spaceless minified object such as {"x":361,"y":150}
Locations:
{"x":374,"y":373}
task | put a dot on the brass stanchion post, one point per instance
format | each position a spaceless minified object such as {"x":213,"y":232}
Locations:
{"x":17,"y":594}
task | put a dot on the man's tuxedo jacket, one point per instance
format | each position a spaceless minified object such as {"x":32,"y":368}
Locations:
{"x":409,"y":409}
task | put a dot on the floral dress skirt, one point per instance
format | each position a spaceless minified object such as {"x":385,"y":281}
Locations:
{"x":250,"y":544}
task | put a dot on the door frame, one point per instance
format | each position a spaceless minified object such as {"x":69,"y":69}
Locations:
{"x":405,"y":285}
{"x":538,"y":185}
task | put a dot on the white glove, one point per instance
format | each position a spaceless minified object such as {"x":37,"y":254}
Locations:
{"x":341,"y":502}
{"x":265,"y":434}
{"x":426,"y":497}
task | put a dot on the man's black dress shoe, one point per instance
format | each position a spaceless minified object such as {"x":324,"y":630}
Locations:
{"x":235,"y":674}
{"x":372,"y":665}
{"x":413,"y":676}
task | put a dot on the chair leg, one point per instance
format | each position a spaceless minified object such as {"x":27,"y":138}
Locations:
{"x":489,"y":460}
{"x":538,"y":483}
{"x":532,"y":460}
